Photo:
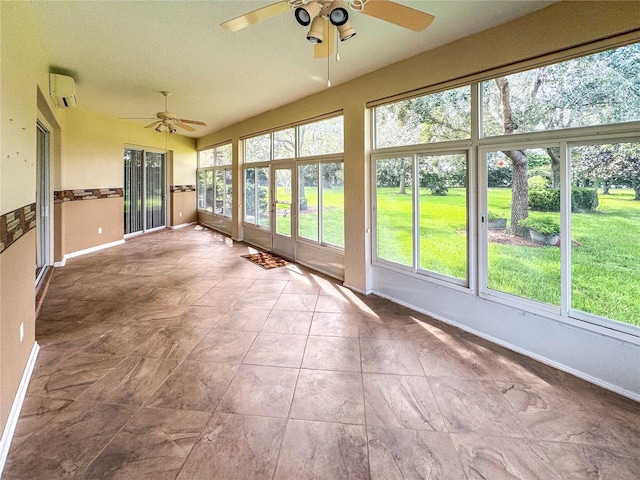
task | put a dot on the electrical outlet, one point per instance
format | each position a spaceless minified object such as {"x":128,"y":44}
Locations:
{"x":99,"y":230}
{"x":22,"y":331}
{"x":180,"y":213}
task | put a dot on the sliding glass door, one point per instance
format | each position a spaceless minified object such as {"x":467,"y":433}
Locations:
{"x":144,"y":191}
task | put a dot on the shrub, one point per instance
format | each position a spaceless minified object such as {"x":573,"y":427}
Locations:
{"x":544,"y":200}
{"x":491,"y":215}
{"x":537,"y":182}
{"x":548,"y":199}
{"x":544,"y":225}
{"x":584,"y":199}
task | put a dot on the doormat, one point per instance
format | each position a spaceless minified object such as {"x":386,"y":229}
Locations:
{"x":266,"y":260}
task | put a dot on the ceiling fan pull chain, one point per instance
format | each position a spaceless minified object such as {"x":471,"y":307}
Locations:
{"x":328,"y":56}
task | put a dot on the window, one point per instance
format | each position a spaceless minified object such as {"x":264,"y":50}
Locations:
{"x":394,"y":210}
{"x":215,"y":180}
{"x":559,"y":215}
{"x":321,"y":203}
{"x":324,"y":137}
{"x":597,"y":89}
{"x":516,"y":263}
{"x":318,"y":193}
{"x":257,"y":198}
{"x":437,"y":117}
{"x":432,"y":241}
{"x":605,"y":228}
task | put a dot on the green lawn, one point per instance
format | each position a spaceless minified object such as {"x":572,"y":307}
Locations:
{"x":332,"y":219}
{"x":605,"y":253}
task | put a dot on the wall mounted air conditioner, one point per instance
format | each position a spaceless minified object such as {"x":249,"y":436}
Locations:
{"x":62,"y":90}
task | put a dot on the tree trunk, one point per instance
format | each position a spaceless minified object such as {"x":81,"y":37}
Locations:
{"x":302,"y":199}
{"x":554,"y":154}
{"x":520,"y":162}
{"x":637,"y":190}
{"x":519,"y":191}
{"x":606,"y":186}
{"x":402,"y":190}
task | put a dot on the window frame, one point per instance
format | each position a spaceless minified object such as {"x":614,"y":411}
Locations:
{"x":477,"y":193}
{"x":215,"y":169}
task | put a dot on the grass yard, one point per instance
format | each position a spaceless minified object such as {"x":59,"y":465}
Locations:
{"x":332,"y":217}
{"x":605,"y":264}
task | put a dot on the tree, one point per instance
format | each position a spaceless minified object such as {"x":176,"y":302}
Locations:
{"x":610,"y":165}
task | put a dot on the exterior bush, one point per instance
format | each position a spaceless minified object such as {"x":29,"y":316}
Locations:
{"x":543,"y":225}
{"x":584,"y":199}
{"x":537,"y":182}
{"x":544,"y":200}
{"x":548,"y":199}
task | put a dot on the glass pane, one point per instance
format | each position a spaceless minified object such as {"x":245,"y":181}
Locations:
{"x":284,"y":144}
{"x":321,"y":138}
{"x":524,"y":224}
{"x":593,"y":90}
{"x":433,"y":118}
{"x":201,"y":190}
{"x":228,"y":192}
{"x":250,"y":195}
{"x":308,"y":202}
{"x":219,"y":191}
{"x":443,"y":214}
{"x":257,"y":149}
{"x":154,"y":189}
{"x":209,"y":192}
{"x":283,"y":201}
{"x":223,"y":154}
{"x":394,"y":210}
{"x":264,"y":199}
{"x":333,"y":203}
{"x":605,"y":230}
{"x":133,"y":220}
{"x":205,"y":158}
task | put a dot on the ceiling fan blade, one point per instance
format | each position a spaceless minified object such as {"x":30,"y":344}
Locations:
{"x":136,"y":118}
{"x":178,"y":123}
{"x":154,"y":124}
{"x":397,"y":14}
{"x":194,"y":122}
{"x":256,"y":16}
{"x":326,"y":48}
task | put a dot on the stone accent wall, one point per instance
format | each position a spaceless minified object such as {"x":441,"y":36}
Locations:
{"x":86,"y":194}
{"x":15,"y":224}
{"x":182,"y":188}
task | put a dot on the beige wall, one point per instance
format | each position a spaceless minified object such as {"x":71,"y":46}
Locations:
{"x":83,"y":218}
{"x":17,"y":307}
{"x":23,"y":68}
{"x":93,"y":145}
{"x":183,"y":208}
{"x":558,"y":27}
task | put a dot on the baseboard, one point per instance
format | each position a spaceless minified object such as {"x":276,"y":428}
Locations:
{"x":357,"y":290}
{"x":14,"y":414}
{"x":182,"y":225}
{"x":78,"y":253}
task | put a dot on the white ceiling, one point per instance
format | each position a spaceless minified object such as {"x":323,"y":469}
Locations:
{"x":122,"y":54}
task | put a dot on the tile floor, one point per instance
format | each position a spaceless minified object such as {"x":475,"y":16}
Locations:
{"x":173,"y":357}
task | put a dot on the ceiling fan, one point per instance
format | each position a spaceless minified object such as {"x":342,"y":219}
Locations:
{"x":167,"y":121}
{"x":325,"y":16}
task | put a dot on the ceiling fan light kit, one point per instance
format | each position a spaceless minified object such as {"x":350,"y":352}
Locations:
{"x":316,"y":32}
{"x":304,"y":14}
{"x":325,"y":16}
